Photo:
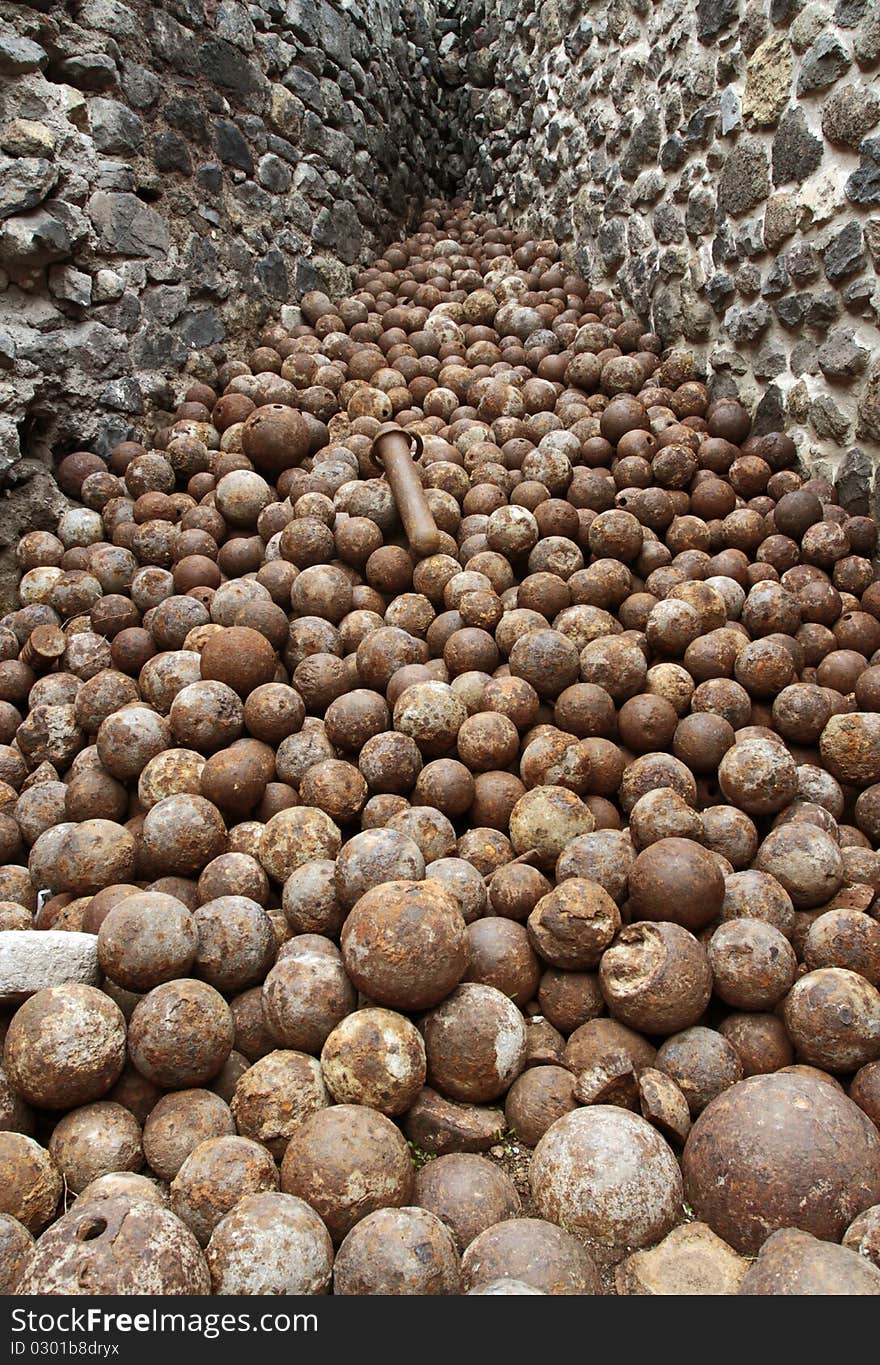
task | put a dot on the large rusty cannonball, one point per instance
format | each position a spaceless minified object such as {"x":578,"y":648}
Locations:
{"x":781,"y":1151}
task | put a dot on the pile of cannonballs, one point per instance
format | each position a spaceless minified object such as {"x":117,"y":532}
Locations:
{"x":333,"y":877}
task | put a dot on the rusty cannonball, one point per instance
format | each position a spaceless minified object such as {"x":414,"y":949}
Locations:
{"x":532,"y":1251}
{"x":656,"y":977}
{"x":753,"y":964}
{"x":146,"y":939}
{"x":573,"y":925}
{"x":306,"y":994}
{"x":781,"y":1151}
{"x":215,"y":1176}
{"x":545,"y":820}
{"x":376,"y":1058}
{"x":538,"y":1097}
{"x":404,"y":944}
{"x":95,"y":1140}
{"x":180,"y":1033}
{"x":833,"y":1018}
{"x":468,"y":1193}
{"x":31,"y":1181}
{"x":276,"y":1095}
{"x":347,"y":1161}
{"x":65,"y":1046}
{"x":398,"y":1251}
{"x":176,"y":1125}
{"x":609,"y":1174}
{"x":117,"y":1246}
{"x":16,"y":1245}
{"x":240,"y":657}
{"x":475,"y":1043}
{"x":270,"y":1243}
{"x":676,"y":880}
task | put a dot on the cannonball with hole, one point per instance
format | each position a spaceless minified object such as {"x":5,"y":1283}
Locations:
{"x":609,"y":1174}
{"x":117,"y":1246}
{"x":347,"y":1161}
{"x":270,"y":1243}
{"x":781,"y":1151}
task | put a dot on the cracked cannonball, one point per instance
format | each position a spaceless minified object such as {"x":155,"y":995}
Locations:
{"x":610,"y":1174}
{"x":65,"y":1046}
{"x":347,"y":1161}
{"x":573,"y":925}
{"x":404,"y":944}
{"x":656,"y":977}
{"x":374,"y":1057}
{"x":781,"y":1151}
{"x":270,"y":1243}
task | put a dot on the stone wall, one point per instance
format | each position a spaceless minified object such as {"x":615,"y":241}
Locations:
{"x":717,"y":161}
{"x":172,"y":174}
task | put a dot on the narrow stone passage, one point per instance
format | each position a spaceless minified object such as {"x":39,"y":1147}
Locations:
{"x":472,"y":895}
